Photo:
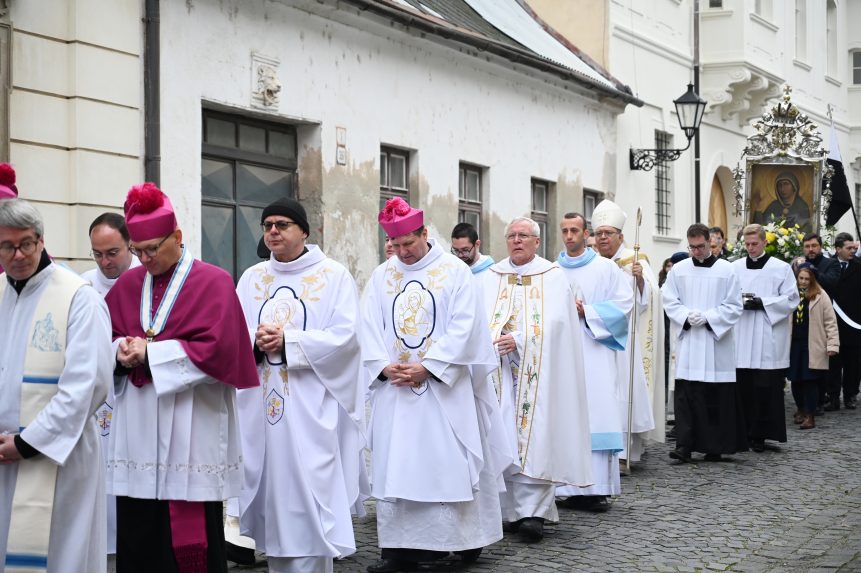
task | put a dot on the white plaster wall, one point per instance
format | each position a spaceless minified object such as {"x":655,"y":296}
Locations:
{"x":386,"y":87}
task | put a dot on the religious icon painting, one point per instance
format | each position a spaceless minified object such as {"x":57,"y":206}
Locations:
{"x":104,"y":417}
{"x":285,"y":309}
{"x":414,"y":314}
{"x":274,"y":407}
{"x":784,"y":192}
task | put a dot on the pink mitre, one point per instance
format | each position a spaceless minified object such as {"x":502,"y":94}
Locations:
{"x":7,"y":182}
{"x":397,"y":218}
{"x":149,"y":213}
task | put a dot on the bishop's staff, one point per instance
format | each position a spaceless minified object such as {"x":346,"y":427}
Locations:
{"x":632,"y":341}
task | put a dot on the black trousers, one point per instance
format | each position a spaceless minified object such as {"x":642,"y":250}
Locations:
{"x":144,"y":541}
{"x":709,"y":417}
{"x":844,"y":372}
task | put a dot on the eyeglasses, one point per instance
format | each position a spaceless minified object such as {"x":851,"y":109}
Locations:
{"x":518,"y":236}
{"x":280,"y":225}
{"x":462,"y":252}
{"x":698,"y":247}
{"x":601,"y":234}
{"x":150,"y":252}
{"x":112,"y":254}
{"x":27,"y":248}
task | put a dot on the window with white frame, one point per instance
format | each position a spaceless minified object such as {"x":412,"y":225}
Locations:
{"x":663,"y":186}
{"x":394,"y":181}
{"x":763,"y":8}
{"x":831,"y":39}
{"x":246,"y":164}
{"x":469,"y":205}
{"x":801,"y":30}
{"x":856,"y":67}
{"x":540,"y":212}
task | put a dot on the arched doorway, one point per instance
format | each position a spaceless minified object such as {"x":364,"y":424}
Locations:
{"x":717,"y":206}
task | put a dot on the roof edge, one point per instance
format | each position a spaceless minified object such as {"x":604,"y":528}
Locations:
{"x":492,"y":46}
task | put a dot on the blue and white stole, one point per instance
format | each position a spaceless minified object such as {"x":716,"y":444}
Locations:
{"x":482,"y":265}
{"x":153,"y":324}
{"x":44,"y":359}
{"x":614,"y":319}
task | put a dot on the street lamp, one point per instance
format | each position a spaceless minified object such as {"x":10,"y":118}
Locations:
{"x":690,"y":109}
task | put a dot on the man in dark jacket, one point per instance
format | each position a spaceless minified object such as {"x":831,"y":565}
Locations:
{"x":846,"y":366}
{"x":827,"y":269}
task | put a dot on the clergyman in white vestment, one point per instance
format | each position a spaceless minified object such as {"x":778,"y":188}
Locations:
{"x":301,"y":435}
{"x":604,"y":300}
{"x":539,"y":379}
{"x":55,"y":350}
{"x":109,"y":241}
{"x":435,"y":432}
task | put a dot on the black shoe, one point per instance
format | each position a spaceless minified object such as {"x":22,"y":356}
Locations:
{"x":469,"y":555}
{"x":681,"y":454}
{"x":392,"y":566}
{"x":511,"y":526}
{"x":713,"y":458}
{"x":598,"y":504}
{"x":832,"y":406}
{"x":239,"y":555}
{"x":849,"y":403}
{"x":757,"y":445}
{"x":572,"y":502}
{"x":532,"y":528}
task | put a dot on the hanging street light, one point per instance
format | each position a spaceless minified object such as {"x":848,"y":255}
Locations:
{"x":689,"y":109}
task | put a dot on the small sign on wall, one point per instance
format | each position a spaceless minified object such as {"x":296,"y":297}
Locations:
{"x":341,"y":145}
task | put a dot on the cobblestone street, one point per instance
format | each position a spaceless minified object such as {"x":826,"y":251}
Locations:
{"x":794,"y":510}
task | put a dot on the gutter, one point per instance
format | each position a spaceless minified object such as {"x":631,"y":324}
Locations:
{"x":152,"y":92}
{"x":482,"y":43}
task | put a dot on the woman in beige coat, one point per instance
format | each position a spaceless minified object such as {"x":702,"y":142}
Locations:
{"x":814,"y":340}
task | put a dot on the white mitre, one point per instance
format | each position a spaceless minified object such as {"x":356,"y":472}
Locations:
{"x":609,"y":214}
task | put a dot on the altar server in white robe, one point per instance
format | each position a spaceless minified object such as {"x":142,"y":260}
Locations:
{"x":762,"y":337}
{"x":604,"y":299}
{"x":703,"y":298}
{"x":109,"y":244}
{"x":539,"y":379}
{"x":55,"y":353}
{"x":649,"y":407}
{"x":182,"y":349}
{"x":436,"y":435}
{"x":301,"y":435}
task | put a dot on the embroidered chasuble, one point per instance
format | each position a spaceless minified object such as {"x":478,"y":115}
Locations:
{"x":762,"y":337}
{"x":649,"y":394}
{"x":540,"y":387}
{"x":56,"y":314}
{"x":439,"y":449}
{"x":302,"y":432}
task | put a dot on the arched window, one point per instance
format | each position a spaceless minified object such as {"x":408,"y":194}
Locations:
{"x":801,"y":30}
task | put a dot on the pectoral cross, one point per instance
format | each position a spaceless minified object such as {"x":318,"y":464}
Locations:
{"x":149,"y":335}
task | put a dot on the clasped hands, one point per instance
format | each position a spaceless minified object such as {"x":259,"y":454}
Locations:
{"x":413,"y":375}
{"x":8,"y":451}
{"x":131,"y":352}
{"x":269,"y":337}
{"x":696,"y":318}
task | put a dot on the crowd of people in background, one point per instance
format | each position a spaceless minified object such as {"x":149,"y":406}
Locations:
{"x":151,"y":410}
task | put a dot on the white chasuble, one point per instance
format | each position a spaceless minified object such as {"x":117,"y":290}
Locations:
{"x":301,"y":430}
{"x":438,"y":450}
{"x":704,"y":354}
{"x":65,"y":430}
{"x":762,"y":337}
{"x":649,"y":395}
{"x":607,"y":299}
{"x":541,"y":387}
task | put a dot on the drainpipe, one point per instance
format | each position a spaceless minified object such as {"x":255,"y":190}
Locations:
{"x":152,"y":99}
{"x":697,"y":90}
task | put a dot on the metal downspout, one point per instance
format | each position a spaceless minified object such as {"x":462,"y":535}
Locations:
{"x":152,"y":92}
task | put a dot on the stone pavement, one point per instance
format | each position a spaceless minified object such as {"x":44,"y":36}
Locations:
{"x":794,"y":510}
